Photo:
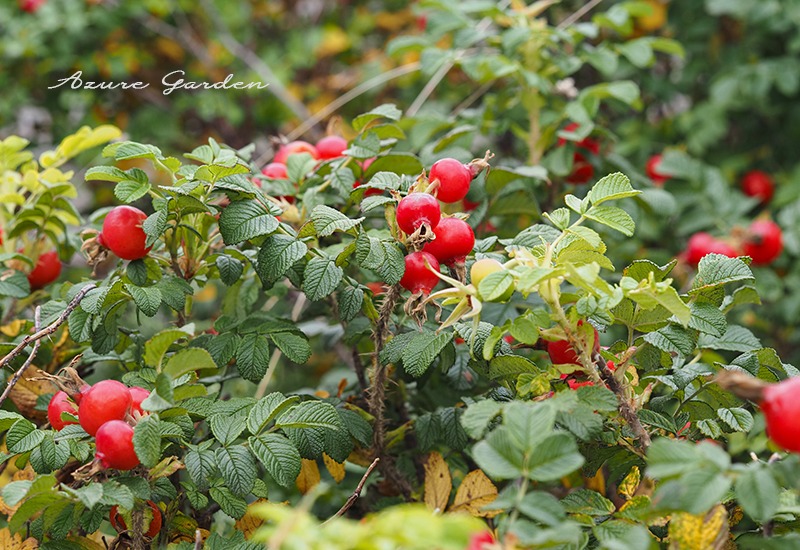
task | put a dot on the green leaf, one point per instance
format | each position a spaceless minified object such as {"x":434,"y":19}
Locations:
{"x":716,"y":269}
{"x":554,"y":457}
{"x":510,"y":366}
{"x":590,"y":503}
{"x":758,"y":493}
{"x":189,"y":360}
{"x":230,"y":269}
{"x":23,"y":437}
{"x":105,"y":173}
{"x":252,"y":357}
{"x":387,"y":110}
{"x":245,"y":219}
{"x":495,"y":285}
{"x":350,"y":301}
{"x":614,"y":217}
{"x":237,"y":468}
{"x":612,"y":187}
{"x":201,"y":464}
{"x":15,"y":285}
{"x":421,"y":351}
{"x":154,"y":225}
{"x":277,"y":255}
{"x":310,"y":414}
{"x":157,"y":346}
{"x":233,"y":505}
{"x":114,"y":493}
{"x":529,"y":424}
{"x":227,"y":427}
{"x":293,"y":346}
{"x":266,"y":409}
{"x":708,"y":319}
{"x":279,"y":457}
{"x":736,"y":338}
{"x":147,"y":440}
{"x":672,"y":338}
{"x":328,"y":220}
{"x":321,"y":277}
{"x":740,"y":420}
{"x":147,"y":299}
{"x":131,"y":190}
{"x":498,"y":456}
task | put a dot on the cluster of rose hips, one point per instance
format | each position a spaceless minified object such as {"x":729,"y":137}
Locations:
{"x":105,"y":411}
{"x":762,"y":240}
{"x":449,"y":239}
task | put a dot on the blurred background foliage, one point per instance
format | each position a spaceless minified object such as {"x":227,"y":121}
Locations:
{"x":724,"y":107}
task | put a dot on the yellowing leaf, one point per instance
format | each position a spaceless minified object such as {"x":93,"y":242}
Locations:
{"x":249,"y":522}
{"x":475,"y":492}
{"x":597,"y":482}
{"x":630,"y":483}
{"x":437,"y":482}
{"x":166,"y":467}
{"x":309,"y":476}
{"x":85,"y":138}
{"x":699,"y":532}
{"x":334,"y":468}
{"x":12,"y":328}
{"x":15,"y":542}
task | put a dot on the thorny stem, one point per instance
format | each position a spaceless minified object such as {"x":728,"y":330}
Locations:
{"x":137,"y":518}
{"x":626,"y":410}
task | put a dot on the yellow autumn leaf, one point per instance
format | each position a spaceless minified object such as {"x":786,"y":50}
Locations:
{"x":250,"y":522}
{"x":699,"y":532}
{"x":438,"y":482}
{"x":309,"y":476}
{"x":475,"y":492}
{"x":26,"y":392}
{"x":85,"y":138}
{"x":15,"y":542}
{"x":597,"y":482}
{"x":12,"y":328}
{"x":630,"y":483}
{"x":334,"y":468}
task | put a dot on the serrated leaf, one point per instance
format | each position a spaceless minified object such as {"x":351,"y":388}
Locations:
{"x":230,"y":269}
{"x":736,"y":338}
{"x":310,"y":414}
{"x":475,"y":492}
{"x":279,"y":457}
{"x":672,"y":338}
{"x":233,"y":505}
{"x":277,"y":255}
{"x":23,"y":437}
{"x":227,"y":427}
{"x":245,"y":219}
{"x":266,"y":409}
{"x":707,"y":318}
{"x":328,"y":220}
{"x":350,"y":301}
{"x":147,"y":440}
{"x":237,"y":468}
{"x":147,"y":299}
{"x":716,"y":269}
{"x":612,"y":187}
{"x":252,"y":357}
{"x":758,"y":493}
{"x":321,"y":277}
{"x":189,"y":360}
{"x":739,"y":420}
{"x":421,"y":351}
{"x":293,"y":346}
{"x":387,"y":110}
{"x":613,"y":217}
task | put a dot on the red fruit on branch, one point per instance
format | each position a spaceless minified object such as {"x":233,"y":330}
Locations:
{"x":703,"y":243}
{"x":454,"y":179}
{"x":764,"y":242}
{"x":331,"y":147}
{"x":587,"y":143}
{"x":137,"y":396}
{"x":153,"y":528}
{"x":105,"y":401}
{"x":30,"y":6}
{"x":480,"y":541}
{"x":294,"y":148}
{"x":454,"y":241}
{"x":561,"y":352}
{"x":419,"y":277}
{"x":582,"y":170}
{"x":275,"y":170}
{"x":758,"y":184}
{"x":114,"y":446}
{"x":123,"y":233}
{"x":416,"y":209}
{"x":47,"y":270}
{"x":60,"y":403}
{"x":781,"y":408}
{"x":653,"y":172}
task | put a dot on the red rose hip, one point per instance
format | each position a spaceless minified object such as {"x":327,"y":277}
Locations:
{"x":60,"y":403}
{"x":105,"y":401}
{"x":454,"y":241}
{"x":454,"y":178}
{"x":137,"y":396}
{"x":764,"y":242}
{"x":123,"y":233}
{"x":276,"y":171}
{"x":418,"y":277}
{"x":653,"y":172}
{"x":758,"y":184}
{"x":417,"y":209}
{"x":114,"y":446}
{"x":781,"y":408}
{"x":331,"y":147}
{"x":294,"y":148}
{"x":118,"y":522}
{"x":47,"y":270}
